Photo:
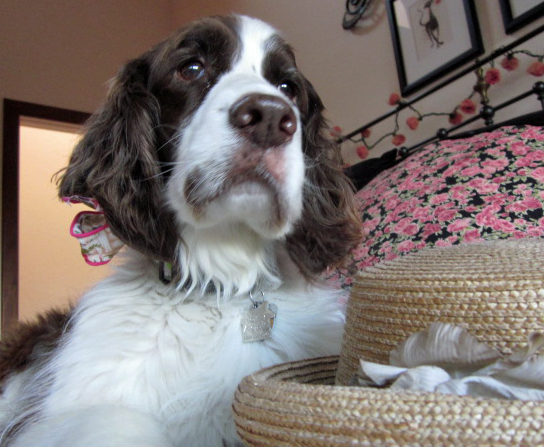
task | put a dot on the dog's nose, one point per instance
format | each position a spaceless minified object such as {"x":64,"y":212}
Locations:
{"x":265,"y":120}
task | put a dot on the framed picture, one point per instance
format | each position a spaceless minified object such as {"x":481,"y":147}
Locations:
{"x":431,"y":38}
{"x":518,"y":13}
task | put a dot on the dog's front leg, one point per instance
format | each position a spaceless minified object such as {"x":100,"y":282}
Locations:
{"x":101,"y":426}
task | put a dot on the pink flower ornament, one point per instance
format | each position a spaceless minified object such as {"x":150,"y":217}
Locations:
{"x":394,"y":99}
{"x":362,"y":152}
{"x":468,"y":106}
{"x":336,"y":131}
{"x":492,"y":76}
{"x":398,"y":139}
{"x":455,"y":118}
{"x":510,"y":63}
{"x":413,"y":122}
{"x":536,"y":69}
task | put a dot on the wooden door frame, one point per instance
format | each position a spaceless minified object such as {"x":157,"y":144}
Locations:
{"x":13,"y":112}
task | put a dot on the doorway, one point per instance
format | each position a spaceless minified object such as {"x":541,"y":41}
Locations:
{"x":41,"y":263}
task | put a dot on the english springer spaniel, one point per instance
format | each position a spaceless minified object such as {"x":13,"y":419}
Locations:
{"x":209,"y":156}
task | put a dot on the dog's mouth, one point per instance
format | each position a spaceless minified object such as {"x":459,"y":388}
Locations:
{"x":250,"y":162}
{"x":253,"y":181}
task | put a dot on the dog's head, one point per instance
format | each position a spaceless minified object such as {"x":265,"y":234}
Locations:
{"x":216,"y":126}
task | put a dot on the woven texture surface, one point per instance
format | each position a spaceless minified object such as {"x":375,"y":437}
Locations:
{"x":291,"y":405}
{"x":494,"y":289}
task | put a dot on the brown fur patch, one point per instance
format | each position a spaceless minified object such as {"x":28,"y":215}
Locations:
{"x":27,"y":342}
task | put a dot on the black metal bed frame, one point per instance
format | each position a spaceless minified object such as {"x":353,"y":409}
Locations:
{"x":487,"y":111}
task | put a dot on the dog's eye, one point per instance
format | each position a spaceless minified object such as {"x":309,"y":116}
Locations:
{"x":288,"y":88}
{"x":191,"y":71}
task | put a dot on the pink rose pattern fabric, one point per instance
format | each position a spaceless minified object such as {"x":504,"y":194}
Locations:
{"x":489,"y":186}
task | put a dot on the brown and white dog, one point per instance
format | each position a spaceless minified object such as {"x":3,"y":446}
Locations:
{"x":208,"y":154}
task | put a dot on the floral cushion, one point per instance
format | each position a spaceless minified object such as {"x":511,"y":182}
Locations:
{"x":489,"y":186}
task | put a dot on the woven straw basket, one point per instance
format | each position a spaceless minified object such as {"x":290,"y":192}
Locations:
{"x":494,"y":289}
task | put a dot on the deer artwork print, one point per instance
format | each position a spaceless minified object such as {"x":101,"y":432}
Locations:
{"x":430,"y":24}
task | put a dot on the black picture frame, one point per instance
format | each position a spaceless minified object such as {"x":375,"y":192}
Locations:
{"x":514,"y":20}
{"x":461,"y":39}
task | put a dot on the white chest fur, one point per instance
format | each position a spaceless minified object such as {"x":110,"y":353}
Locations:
{"x":134,"y":346}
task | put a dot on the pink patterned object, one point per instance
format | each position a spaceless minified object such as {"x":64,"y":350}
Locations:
{"x":489,"y":186}
{"x":98,"y":243}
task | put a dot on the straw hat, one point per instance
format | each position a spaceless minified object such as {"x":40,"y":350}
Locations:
{"x":494,"y":289}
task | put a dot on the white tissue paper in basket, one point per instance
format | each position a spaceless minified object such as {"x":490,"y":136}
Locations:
{"x":447,"y":359}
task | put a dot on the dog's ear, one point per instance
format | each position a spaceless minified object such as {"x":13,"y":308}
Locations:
{"x":330,"y":226}
{"x":117,"y":164}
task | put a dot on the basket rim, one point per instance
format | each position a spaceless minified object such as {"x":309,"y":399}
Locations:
{"x":270,"y":409}
{"x":283,"y":379}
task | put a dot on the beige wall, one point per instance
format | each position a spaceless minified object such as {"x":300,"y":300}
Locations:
{"x":62,"y":52}
{"x":355,"y":71}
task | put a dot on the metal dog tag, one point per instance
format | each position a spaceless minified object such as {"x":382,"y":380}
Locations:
{"x":257,"y":322}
